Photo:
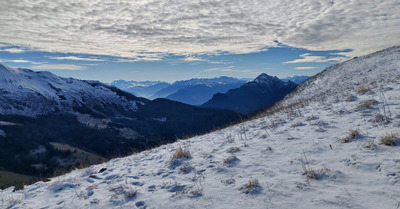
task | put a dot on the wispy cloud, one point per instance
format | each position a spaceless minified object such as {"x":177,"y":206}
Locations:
{"x":77,"y":58}
{"x":305,"y":68}
{"x":13,"y":50}
{"x":194,"y":59}
{"x":308,"y":58}
{"x":228,"y":68}
{"x":141,"y":58}
{"x":231,"y":69}
{"x":132,"y":29}
{"x":20,"y":61}
{"x":58,"y":67}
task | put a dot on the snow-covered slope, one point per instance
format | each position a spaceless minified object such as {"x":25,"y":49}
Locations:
{"x":338,"y":82}
{"x":319,"y":148}
{"x":30,"y":93}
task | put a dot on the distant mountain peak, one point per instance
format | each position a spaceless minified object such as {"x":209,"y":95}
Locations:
{"x":253,"y":96}
{"x":265,"y":79}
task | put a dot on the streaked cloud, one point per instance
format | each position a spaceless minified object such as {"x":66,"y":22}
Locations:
{"x":305,"y":68}
{"x":77,"y":58}
{"x":140,"y":29}
{"x":308,"y":58}
{"x":194,"y":59}
{"x":20,"y":61}
{"x":57,"y":67}
{"x":13,"y":50}
{"x":231,"y":69}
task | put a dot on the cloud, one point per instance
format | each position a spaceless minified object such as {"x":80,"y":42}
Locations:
{"x":305,"y":68}
{"x":194,"y":59}
{"x":20,"y":61}
{"x":13,"y":50}
{"x":308,"y":58}
{"x":57,"y":67}
{"x":228,"y":68}
{"x":231,"y":69}
{"x":139,"y":29}
{"x":77,"y":59}
{"x":139,"y":59}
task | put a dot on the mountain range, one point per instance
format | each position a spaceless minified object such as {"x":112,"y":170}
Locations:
{"x":195,"y":91}
{"x":140,"y":88}
{"x":253,"y":96}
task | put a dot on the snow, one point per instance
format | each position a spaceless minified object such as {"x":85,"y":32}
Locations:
{"x":163,"y":119}
{"x":30,"y":93}
{"x":292,"y":158}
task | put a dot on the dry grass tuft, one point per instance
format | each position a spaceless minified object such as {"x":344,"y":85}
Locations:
{"x":253,"y":186}
{"x":231,"y":160}
{"x":366,"y":104}
{"x":353,"y":134}
{"x":363,"y":90}
{"x":389,"y":140}
{"x":180,"y":153}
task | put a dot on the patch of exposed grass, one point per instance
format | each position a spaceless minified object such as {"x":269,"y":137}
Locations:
{"x":389,"y":140}
{"x":366,"y":104}
{"x":252,"y":186}
{"x":363,"y":90}
{"x":230,"y":160}
{"x":353,"y":134}
{"x":180,"y":153}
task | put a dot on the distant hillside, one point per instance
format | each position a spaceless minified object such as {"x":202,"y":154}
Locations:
{"x":297,"y":79}
{"x":142,"y":89}
{"x":253,"y":96}
{"x":197,"y":91}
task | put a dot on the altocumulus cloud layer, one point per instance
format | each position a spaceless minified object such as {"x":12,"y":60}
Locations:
{"x":149,"y":29}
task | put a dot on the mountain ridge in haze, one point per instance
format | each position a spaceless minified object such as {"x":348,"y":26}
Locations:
{"x":253,"y":96}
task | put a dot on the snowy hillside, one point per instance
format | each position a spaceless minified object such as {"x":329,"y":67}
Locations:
{"x":30,"y":93}
{"x":328,"y":145}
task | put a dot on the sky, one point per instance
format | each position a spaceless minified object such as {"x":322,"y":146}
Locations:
{"x":171,"y":40}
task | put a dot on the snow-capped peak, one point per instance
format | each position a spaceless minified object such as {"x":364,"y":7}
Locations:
{"x":266,"y":79}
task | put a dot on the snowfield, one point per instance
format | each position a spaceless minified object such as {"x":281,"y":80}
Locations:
{"x":321,"y":147}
